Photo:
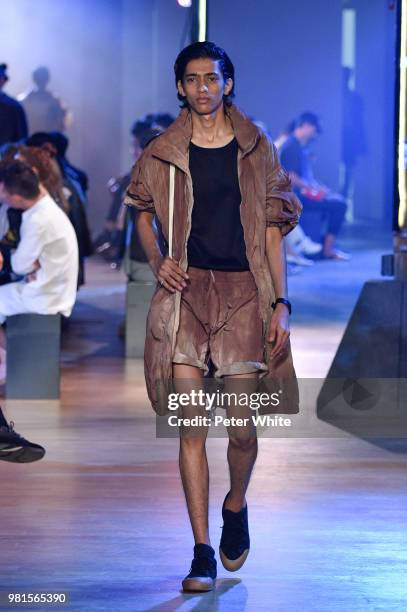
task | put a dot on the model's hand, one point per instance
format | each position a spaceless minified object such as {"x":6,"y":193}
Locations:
{"x":171,"y":276}
{"x":1,"y":261}
{"x":279,"y":330}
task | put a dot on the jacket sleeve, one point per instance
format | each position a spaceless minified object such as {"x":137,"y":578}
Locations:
{"x":283,"y":208}
{"x":138,"y":193}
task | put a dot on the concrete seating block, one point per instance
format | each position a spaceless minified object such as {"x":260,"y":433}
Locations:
{"x":33,"y":356}
{"x":138,"y":300}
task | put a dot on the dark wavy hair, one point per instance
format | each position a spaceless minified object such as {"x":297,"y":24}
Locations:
{"x":200,"y":50}
{"x":20,"y":179}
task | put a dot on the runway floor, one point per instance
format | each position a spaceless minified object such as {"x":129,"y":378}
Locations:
{"x":102,"y":516}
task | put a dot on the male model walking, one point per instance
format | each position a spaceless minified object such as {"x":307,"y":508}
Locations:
{"x":222,"y":296}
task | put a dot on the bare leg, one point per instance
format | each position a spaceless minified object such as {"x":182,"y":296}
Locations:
{"x":193,"y":462}
{"x":242,"y":448}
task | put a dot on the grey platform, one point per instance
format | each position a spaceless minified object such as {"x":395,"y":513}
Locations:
{"x":138,"y":298}
{"x":33,"y":356}
{"x":365,"y":391}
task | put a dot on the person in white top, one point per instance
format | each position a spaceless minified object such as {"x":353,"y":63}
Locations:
{"x":47,"y":254}
{"x":47,"y":258}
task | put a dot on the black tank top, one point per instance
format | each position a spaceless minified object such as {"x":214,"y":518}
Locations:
{"x":216,"y":240}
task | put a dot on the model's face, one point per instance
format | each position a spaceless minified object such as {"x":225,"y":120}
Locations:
{"x":203,"y":85}
{"x":10,"y":199}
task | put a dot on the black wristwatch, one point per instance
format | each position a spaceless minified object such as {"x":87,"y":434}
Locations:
{"x":282,"y":301}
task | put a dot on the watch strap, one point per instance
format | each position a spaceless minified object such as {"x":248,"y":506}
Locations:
{"x":282,"y":301}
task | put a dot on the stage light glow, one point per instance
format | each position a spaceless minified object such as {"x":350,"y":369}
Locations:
{"x":202,"y":12}
{"x":185,"y":3}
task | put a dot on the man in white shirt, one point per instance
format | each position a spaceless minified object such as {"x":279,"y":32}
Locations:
{"x":47,"y":255}
{"x":47,"y":258}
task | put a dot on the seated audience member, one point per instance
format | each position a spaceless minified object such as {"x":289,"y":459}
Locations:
{"x":296,"y":242}
{"x":74,"y":194}
{"x":10,"y":222}
{"x":10,"y":237}
{"x":50,"y":177}
{"x":159,"y":121}
{"x":300,"y":247}
{"x":77,"y":175}
{"x":57,"y":145}
{"x":4,"y":224}
{"x":294,"y":254}
{"x":318,"y":199}
{"x":48,"y":172}
{"x":47,"y":253}
{"x":111,"y":243}
{"x":135,"y":261}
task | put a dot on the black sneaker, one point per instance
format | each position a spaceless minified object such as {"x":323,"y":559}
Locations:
{"x":235,"y":541}
{"x":15,"y":448}
{"x":202,"y":574}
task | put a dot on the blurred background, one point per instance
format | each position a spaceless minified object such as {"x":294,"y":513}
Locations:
{"x":111,"y":62}
{"x":329,"y":509}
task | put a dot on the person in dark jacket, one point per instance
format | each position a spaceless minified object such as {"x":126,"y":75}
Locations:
{"x":58,"y":144}
{"x":10,"y":227}
{"x":120,"y":229}
{"x":324,"y":205}
{"x":13,"y":122}
{"x":75,"y":195}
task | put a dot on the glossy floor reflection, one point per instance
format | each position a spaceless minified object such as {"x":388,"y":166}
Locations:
{"x":102,"y":517}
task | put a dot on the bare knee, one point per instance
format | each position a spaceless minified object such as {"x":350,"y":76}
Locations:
{"x":192,"y":444}
{"x":243,"y":443}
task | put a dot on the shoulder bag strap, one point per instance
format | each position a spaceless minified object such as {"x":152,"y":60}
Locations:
{"x":171,"y":210}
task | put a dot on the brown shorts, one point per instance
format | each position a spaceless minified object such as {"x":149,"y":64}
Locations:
{"x":220,"y":320}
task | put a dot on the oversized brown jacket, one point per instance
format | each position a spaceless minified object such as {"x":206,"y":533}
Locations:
{"x":267,"y":200}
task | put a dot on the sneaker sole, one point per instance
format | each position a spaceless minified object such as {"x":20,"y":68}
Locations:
{"x":198,"y":584}
{"x":232,"y":565}
{"x":21,"y":454}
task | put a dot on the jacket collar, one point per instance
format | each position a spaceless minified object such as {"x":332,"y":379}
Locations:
{"x":172,"y":146}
